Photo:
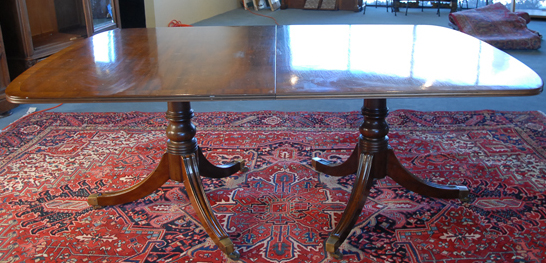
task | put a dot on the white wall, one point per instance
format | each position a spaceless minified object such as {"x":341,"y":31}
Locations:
{"x":160,"y":12}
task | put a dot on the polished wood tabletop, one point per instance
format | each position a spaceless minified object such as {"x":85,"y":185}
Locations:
{"x":268,"y":62}
{"x":394,"y":61}
{"x":159,"y":64}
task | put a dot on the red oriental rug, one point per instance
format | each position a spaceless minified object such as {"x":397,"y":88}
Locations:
{"x":281,"y":210}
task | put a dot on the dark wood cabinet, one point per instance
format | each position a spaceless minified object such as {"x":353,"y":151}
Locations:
{"x":350,"y":5}
{"x":35,"y":29}
{"x":5,"y":106}
{"x":298,"y":4}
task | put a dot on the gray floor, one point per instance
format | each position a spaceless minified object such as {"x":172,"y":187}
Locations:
{"x":533,"y":58}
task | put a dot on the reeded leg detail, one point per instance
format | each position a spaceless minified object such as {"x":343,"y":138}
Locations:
{"x":359,"y":194}
{"x":405,"y":178}
{"x":375,"y":161}
{"x":147,"y":186}
{"x":199,"y":201}
{"x":210,"y":170}
{"x":181,"y":163}
{"x":350,"y":166}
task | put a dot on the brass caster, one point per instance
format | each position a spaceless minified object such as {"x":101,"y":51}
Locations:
{"x":242,"y":164}
{"x":337,"y":255}
{"x":93,"y":202}
{"x":464,"y":194}
{"x":332,"y":248}
{"x":235,"y":255}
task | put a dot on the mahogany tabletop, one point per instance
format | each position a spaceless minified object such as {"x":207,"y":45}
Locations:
{"x":158,"y":64}
{"x":269,"y":62}
{"x":385,"y":61}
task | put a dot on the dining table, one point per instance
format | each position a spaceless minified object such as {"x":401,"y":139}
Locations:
{"x":290,"y":62}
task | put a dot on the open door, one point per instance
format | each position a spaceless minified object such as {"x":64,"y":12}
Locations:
{"x":101,"y":15}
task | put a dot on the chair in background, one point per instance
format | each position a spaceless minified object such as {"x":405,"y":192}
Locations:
{"x":365,"y":3}
{"x":407,"y":2}
{"x":465,"y":2}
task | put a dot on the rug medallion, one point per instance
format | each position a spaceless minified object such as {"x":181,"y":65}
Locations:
{"x":281,"y":210}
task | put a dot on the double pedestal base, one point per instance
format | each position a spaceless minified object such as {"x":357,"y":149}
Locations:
{"x":370,"y":166}
{"x":372,"y":159}
{"x":184,"y":162}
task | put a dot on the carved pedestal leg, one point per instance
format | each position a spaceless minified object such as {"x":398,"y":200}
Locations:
{"x":405,"y":178}
{"x":199,"y":201}
{"x":186,"y":159}
{"x":213,"y":171}
{"x":372,"y":144}
{"x":147,"y":186}
{"x":376,"y":161}
{"x":181,"y":163}
{"x":350,"y":166}
{"x":359,"y":194}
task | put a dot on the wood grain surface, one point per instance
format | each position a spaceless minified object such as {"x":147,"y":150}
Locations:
{"x":162,"y":64}
{"x":268,"y":62}
{"x":394,"y":61}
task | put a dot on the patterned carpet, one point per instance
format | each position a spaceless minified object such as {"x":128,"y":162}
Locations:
{"x":498,"y":26}
{"x":281,"y":210}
